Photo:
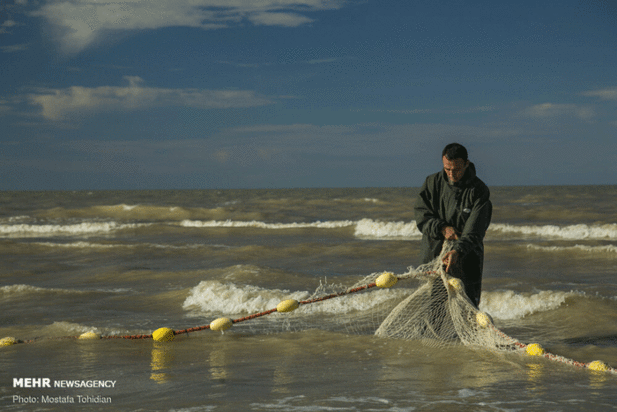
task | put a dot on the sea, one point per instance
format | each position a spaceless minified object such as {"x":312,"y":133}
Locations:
{"x":125,"y":263}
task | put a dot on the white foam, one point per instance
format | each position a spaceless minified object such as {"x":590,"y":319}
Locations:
{"x":581,"y":231}
{"x":24,"y":290}
{"x":14,"y":219}
{"x":16,"y":290}
{"x":228,"y":298}
{"x":84,"y":228}
{"x":377,"y":229}
{"x":264,"y":225}
{"x":580,"y":248}
{"x":67,"y":328}
{"x":511,"y":305}
{"x":358,"y":200}
{"x":366,"y":228}
{"x":80,"y":245}
{"x":90,"y":245}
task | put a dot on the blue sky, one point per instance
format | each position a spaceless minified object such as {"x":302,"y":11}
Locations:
{"x":199,"y":94}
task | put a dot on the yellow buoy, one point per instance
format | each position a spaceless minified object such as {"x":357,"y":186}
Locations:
{"x":386,"y":280}
{"x":598,"y":366}
{"x":163,"y":335}
{"x":287,"y":305}
{"x":8,"y":341}
{"x":534,"y":349}
{"x":455,"y":284}
{"x":221,"y":324}
{"x":484,"y":319}
{"x":89,"y":335}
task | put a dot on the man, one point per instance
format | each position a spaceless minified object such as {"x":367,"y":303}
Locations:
{"x":454,"y":205}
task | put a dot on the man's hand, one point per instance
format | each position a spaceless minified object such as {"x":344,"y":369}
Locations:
{"x":450,"y":259}
{"x":449,"y":233}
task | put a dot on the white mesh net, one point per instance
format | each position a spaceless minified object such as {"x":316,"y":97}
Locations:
{"x":437,"y":312}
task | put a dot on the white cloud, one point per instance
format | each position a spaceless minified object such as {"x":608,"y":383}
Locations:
{"x":9,"y":24}
{"x":57,"y":104}
{"x":79,"y":23}
{"x":14,"y":48}
{"x":279,"y":19}
{"x":550,"y":110}
{"x":604,"y":94}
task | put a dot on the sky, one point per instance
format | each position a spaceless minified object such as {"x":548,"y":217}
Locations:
{"x":218,"y":94}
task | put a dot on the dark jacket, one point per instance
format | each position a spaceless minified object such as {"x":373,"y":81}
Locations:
{"x":466,"y":206}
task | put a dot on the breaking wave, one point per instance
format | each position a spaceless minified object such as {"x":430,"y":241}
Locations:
{"x":226,"y":298}
{"x":512,"y":305}
{"x":571,"y":232}
{"x":84,"y":228}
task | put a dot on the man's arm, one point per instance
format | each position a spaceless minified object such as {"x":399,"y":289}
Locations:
{"x":427,"y":218}
{"x":475,"y":228}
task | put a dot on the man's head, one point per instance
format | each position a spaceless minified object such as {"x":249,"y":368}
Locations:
{"x":455,"y":161}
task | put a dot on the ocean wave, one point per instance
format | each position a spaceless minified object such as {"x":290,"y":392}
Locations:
{"x":67,"y":329}
{"x":29,"y":290}
{"x":509,"y":305}
{"x":84,"y":228}
{"x":155,"y":213}
{"x":119,"y":211}
{"x":366,"y":228}
{"x":358,"y":200}
{"x":576,"y":248}
{"x":225,"y":298}
{"x":81,"y":245}
{"x":264,"y":225}
{"x":377,"y":229}
{"x":229,"y":298}
{"x":363,"y":228}
{"x":90,"y":245}
{"x":22,"y":290}
{"x":570,"y":232}
{"x":148,"y":213}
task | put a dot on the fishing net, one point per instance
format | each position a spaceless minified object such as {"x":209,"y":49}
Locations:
{"x":439,"y":313}
{"x":426,"y":304}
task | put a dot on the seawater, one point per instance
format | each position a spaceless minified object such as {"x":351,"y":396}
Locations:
{"x":129,"y":262}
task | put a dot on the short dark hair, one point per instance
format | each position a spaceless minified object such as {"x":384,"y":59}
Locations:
{"x":454,"y":151}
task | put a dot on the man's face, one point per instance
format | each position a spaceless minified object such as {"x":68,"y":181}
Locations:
{"x":455,"y":169}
